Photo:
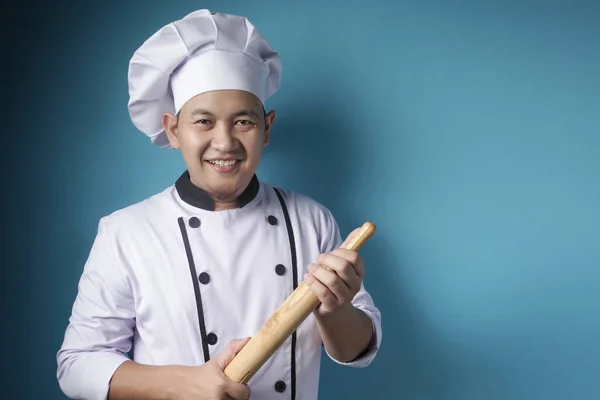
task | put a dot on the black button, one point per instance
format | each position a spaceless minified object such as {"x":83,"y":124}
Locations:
{"x":204,"y":278}
{"x":194,"y":222}
{"x":211,"y":338}
{"x":280,"y":386}
{"x":272,"y":220}
{"x":280,"y":269}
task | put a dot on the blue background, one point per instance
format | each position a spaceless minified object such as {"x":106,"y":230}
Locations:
{"x":468,"y":131}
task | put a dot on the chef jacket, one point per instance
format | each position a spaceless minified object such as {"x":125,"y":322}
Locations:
{"x":169,"y":280}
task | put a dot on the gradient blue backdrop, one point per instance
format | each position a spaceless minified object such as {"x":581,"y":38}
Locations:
{"x":468,"y":131}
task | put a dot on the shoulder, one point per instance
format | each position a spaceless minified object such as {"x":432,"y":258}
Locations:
{"x":304,"y":205}
{"x":138,"y":216}
{"x":308,"y":212}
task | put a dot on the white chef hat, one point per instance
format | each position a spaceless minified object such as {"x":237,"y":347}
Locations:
{"x":202,"y":52}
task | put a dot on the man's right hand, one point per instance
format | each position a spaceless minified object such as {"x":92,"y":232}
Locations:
{"x":133,"y":381}
{"x":208,"y":382}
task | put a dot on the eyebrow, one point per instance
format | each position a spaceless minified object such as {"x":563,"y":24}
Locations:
{"x":249,"y":113}
{"x":200,"y":111}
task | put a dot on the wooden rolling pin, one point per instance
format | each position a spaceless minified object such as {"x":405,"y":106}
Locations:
{"x":283,"y":322}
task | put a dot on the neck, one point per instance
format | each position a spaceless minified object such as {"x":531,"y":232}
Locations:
{"x":219,"y":205}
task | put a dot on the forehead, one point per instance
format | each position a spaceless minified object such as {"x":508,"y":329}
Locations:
{"x":223,"y":102}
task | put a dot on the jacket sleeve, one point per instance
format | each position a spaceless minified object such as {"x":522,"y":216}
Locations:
{"x":332,"y":239}
{"x":101,"y":323}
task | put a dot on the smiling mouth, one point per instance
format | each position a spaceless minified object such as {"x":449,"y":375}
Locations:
{"x":223,"y":163}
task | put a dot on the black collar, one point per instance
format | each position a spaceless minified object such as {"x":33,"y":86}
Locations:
{"x":197,"y":197}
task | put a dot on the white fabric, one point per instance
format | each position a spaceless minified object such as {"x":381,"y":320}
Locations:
{"x":137,"y":285}
{"x":202,"y":52}
{"x":212,"y":71}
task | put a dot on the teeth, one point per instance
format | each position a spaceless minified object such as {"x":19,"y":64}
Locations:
{"x":222,"y":163}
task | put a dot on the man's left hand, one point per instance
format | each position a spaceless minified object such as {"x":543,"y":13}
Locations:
{"x":336,"y":278}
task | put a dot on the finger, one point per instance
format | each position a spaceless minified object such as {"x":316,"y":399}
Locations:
{"x":350,"y":256}
{"x":237,"y":391}
{"x":226,"y":356}
{"x":343,"y":268}
{"x":325,"y":295}
{"x":331,"y":280}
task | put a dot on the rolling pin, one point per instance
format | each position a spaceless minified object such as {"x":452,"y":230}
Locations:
{"x":283,"y":322}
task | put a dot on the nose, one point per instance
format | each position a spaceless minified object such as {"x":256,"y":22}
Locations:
{"x":223,"y":139}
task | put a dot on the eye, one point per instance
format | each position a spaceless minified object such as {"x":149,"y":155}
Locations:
{"x":244,"y":122}
{"x":203,"y":121}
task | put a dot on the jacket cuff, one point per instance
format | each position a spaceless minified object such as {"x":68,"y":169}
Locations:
{"x":367,"y":356}
{"x":96,"y":372}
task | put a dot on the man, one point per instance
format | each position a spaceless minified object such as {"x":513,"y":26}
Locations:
{"x":181,"y":280}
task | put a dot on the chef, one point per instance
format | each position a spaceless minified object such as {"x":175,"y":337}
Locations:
{"x":176,"y":284}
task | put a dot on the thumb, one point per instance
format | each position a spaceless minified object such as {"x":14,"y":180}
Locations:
{"x":227,"y":355}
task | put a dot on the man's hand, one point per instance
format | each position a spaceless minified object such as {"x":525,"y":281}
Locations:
{"x":208,"y":382}
{"x":336,"y":278}
{"x":133,"y":381}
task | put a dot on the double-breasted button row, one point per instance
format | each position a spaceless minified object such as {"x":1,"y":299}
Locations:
{"x":194,"y":222}
{"x":204,"y":277}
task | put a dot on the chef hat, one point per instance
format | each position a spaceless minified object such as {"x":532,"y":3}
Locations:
{"x":204,"y":51}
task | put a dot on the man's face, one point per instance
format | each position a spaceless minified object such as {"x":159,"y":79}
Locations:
{"x":221,"y":135}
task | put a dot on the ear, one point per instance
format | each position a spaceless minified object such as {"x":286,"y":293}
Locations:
{"x":269,"y":119}
{"x":169,"y":123}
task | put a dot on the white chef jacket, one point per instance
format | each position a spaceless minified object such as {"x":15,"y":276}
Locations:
{"x":171,"y":281}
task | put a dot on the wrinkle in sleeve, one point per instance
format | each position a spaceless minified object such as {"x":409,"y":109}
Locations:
{"x":331,"y":240}
{"x":101,"y":323}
